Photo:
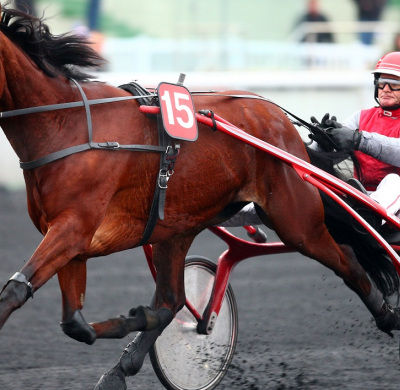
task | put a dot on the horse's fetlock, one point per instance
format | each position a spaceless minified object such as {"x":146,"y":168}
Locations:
{"x":15,"y":294}
{"x":132,"y":359}
{"x":133,"y":356}
{"x":166,"y":316}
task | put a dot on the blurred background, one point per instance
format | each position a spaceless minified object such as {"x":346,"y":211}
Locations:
{"x":309,"y":56}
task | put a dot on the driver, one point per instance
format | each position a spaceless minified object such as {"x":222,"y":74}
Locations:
{"x":374,"y":135}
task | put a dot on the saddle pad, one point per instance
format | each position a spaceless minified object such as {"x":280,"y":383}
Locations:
{"x":137,"y":90}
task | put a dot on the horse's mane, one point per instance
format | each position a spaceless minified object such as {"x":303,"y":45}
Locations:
{"x":56,"y":55}
{"x":345,"y":230}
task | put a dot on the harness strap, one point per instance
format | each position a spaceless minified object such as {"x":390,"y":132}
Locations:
{"x":61,"y":106}
{"x":87,"y":109}
{"x":80,"y":148}
{"x":157,"y":206}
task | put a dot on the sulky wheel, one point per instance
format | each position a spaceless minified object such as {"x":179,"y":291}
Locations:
{"x":182,"y":358}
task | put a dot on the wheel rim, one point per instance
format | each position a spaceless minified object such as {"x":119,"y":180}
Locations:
{"x":191,"y":361}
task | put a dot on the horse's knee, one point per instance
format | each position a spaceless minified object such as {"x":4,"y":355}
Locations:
{"x":78,"y":329}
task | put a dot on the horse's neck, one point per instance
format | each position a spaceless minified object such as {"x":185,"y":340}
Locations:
{"x":26,"y":86}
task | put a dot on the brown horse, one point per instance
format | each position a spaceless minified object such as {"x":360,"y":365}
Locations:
{"x":98,"y":202}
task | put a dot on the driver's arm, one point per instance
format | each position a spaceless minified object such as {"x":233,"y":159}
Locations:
{"x":383,"y":148}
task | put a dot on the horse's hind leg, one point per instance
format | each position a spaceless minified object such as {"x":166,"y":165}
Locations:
{"x":309,"y":235}
{"x":348,"y":268}
{"x":295,"y":210}
{"x":386,"y":318}
{"x":169,"y":260}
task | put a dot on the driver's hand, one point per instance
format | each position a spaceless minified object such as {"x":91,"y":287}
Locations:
{"x":319,"y":135}
{"x":326,"y":122}
{"x":315,"y":122}
{"x":322,"y":142}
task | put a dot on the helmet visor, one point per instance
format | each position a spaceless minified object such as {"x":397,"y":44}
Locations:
{"x":393,"y":84}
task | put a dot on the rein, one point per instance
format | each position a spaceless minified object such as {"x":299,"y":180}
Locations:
{"x":313,"y":128}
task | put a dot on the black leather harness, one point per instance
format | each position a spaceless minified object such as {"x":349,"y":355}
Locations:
{"x":167,"y":160}
{"x":109,"y":145}
{"x":168,"y":152}
{"x":165,"y":147}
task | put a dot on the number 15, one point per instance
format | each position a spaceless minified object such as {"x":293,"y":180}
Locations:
{"x":179,"y":107}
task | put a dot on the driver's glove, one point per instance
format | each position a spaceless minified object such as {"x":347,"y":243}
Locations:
{"x":345,"y":138}
{"x":319,"y":135}
{"x":326,"y":121}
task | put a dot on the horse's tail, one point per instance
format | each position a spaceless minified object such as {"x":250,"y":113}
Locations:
{"x":345,"y":230}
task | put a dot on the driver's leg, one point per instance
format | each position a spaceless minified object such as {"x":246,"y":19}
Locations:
{"x":387,"y":193}
{"x":245,"y":217}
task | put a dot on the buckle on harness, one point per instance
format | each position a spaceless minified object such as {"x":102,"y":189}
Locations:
{"x":110,"y":145}
{"x":114,"y":145}
{"x":163,"y":179}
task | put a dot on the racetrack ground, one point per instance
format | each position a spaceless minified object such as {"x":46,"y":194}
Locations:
{"x":299,"y":326}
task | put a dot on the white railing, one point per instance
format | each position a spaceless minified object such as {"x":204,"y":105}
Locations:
{"x":145,"y":54}
{"x":341,"y":28}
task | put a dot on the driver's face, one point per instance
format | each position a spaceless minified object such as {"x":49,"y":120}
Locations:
{"x":386,"y":96}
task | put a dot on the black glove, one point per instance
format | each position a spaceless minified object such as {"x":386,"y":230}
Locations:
{"x":325,"y":121}
{"x":319,"y":132}
{"x":345,"y":138}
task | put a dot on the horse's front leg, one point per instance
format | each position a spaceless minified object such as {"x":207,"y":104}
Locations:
{"x":66,"y":239}
{"x":169,"y":260}
{"x":72,"y":279}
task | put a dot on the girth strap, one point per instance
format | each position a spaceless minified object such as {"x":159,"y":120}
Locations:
{"x":166,"y":170}
{"x":81,"y":148}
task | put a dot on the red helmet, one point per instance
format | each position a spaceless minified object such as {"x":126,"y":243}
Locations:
{"x":389,"y":64}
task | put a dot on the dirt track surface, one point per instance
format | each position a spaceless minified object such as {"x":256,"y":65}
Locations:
{"x":299,"y":326}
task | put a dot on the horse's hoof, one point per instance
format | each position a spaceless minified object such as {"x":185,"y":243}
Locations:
{"x":78,"y":329}
{"x":390,"y":320}
{"x":112,"y":380}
